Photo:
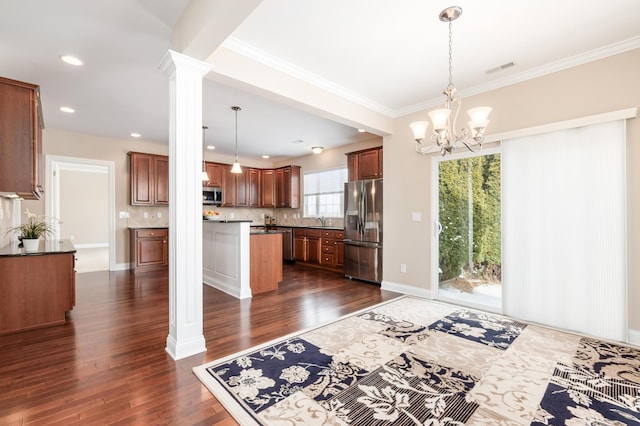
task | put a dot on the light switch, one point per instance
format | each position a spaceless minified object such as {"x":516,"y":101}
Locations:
{"x":124,"y":215}
{"x":416,"y":216}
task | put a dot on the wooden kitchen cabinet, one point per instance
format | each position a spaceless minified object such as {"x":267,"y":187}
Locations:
{"x":268,"y":188}
{"x":149,"y":179}
{"x":365,"y":164}
{"x":306,"y":245}
{"x":21,"y":123}
{"x":288,"y":187}
{"x":235,"y":187}
{"x":332,"y":249}
{"x":214,"y":171}
{"x":254,"y":188}
{"x":149,"y":249}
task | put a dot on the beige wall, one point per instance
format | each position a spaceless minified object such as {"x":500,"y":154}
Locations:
{"x":606,"y":85}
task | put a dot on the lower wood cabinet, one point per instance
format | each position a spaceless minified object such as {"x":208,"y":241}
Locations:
{"x":319,"y":247}
{"x":149,"y":249}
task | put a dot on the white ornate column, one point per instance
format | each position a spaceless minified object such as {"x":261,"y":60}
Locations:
{"x":185,"y":204}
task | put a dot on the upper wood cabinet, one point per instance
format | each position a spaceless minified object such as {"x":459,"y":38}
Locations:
{"x":149,"y":179}
{"x":235,"y":187}
{"x":288,"y":187}
{"x":214,"y":171}
{"x":254,"y":188}
{"x":365,"y":164}
{"x":21,"y":165}
{"x":268,"y":188}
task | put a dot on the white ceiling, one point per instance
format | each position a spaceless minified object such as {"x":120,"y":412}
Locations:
{"x":388,"y":56}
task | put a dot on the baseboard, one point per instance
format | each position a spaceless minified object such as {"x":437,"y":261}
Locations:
{"x":406,"y":289}
{"x":121,"y":267}
{"x":634,"y":337}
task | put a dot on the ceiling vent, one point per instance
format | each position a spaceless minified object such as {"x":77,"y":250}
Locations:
{"x":501,"y":67}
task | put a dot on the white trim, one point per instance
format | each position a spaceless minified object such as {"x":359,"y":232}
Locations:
{"x":121,"y":267}
{"x":622,"y":114}
{"x":634,"y":337}
{"x":55,"y":163}
{"x":405,"y":289}
{"x":91,"y":245}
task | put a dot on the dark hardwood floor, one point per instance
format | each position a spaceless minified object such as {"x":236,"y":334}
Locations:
{"x":108,"y":365}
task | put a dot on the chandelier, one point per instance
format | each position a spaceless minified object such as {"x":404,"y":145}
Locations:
{"x":445,"y":138}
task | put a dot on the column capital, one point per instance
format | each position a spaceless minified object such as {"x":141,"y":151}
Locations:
{"x":173,"y":60}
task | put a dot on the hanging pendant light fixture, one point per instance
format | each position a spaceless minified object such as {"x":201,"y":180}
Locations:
{"x":445,"y":138}
{"x":205,"y":176}
{"x":236,"y":165}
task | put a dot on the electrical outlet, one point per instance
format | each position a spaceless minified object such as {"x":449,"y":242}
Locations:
{"x":159,"y":215}
{"x":403,"y":268}
{"x":146,"y":215}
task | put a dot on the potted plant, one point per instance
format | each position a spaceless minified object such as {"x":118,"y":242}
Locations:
{"x":29,"y":233}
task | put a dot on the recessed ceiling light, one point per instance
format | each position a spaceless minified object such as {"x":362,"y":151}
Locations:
{"x":211,"y":147}
{"x":361,"y":130}
{"x":135,"y":135}
{"x":298,"y":141}
{"x":71,"y":60}
{"x":265,"y":156}
{"x":68,"y":110}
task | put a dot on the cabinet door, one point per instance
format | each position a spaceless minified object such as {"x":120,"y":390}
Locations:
{"x":242,"y":188}
{"x":214,"y":171}
{"x":268,"y":186}
{"x":352,"y":166}
{"x":300,"y":248}
{"x":152,"y":251}
{"x":229,"y":187}
{"x":280,"y":198}
{"x":142,"y":190}
{"x":254,"y":188}
{"x":161,"y":178}
{"x":368,"y":165}
{"x":313,"y":250}
{"x":338,"y":254}
{"x":21,"y":163}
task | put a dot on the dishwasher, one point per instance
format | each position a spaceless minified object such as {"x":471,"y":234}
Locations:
{"x":287,"y":242}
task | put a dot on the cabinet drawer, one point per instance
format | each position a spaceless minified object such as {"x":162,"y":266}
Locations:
{"x":326,"y":259}
{"x":151,"y":233}
{"x":339,"y":235}
{"x":327,"y":249}
{"x":327,"y":241}
{"x":313,"y":233}
{"x":328,"y":234}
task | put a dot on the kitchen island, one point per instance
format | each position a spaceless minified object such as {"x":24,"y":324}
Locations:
{"x":238,"y":261}
{"x":37,"y":287}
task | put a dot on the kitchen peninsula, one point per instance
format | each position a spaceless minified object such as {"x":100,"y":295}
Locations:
{"x":238,"y":261}
{"x":37,"y":287}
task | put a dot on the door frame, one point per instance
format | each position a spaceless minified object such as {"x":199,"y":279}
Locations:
{"x":55,"y":164}
{"x":435,"y":202}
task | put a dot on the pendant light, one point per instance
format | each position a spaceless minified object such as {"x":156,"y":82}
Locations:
{"x":205,"y":176}
{"x":236,"y":165}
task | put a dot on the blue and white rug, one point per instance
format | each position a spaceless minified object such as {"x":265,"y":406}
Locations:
{"x":411,"y":361}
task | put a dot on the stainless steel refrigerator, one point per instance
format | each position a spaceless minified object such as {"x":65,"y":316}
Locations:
{"x":363,"y":230}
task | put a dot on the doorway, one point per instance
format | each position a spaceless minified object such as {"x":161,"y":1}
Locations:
{"x":467,"y":238}
{"x":81,"y":194}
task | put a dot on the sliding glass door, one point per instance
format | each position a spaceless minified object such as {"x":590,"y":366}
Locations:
{"x":467,"y":240}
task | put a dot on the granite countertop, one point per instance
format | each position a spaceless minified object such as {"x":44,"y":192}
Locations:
{"x":148,"y":227}
{"x":328,"y":228}
{"x":226,"y":220}
{"x":46,"y":247}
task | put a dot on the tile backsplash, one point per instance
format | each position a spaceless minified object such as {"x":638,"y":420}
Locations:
{"x":9,"y":218}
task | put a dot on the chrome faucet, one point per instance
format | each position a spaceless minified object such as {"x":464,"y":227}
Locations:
{"x":321,"y":219}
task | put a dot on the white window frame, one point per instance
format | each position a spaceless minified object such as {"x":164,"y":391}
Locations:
{"x":307,"y":214}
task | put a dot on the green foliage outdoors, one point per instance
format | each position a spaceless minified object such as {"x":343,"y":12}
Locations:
{"x":483,"y":172}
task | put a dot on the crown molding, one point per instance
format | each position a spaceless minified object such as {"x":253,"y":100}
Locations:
{"x":292,"y":70}
{"x":566,"y":63}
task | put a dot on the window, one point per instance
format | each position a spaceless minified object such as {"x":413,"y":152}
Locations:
{"x":324,"y":193}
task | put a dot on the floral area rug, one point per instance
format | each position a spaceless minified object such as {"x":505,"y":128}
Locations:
{"x":411,"y":361}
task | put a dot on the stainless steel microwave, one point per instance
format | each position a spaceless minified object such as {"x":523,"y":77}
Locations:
{"x":212,"y":196}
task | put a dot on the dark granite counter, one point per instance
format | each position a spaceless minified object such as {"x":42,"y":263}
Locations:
{"x":45,"y":247}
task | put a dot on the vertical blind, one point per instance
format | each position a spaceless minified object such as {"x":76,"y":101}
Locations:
{"x":564,"y":229}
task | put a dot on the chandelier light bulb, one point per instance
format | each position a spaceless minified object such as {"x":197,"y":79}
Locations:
{"x":479,"y":115}
{"x":439,"y":118}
